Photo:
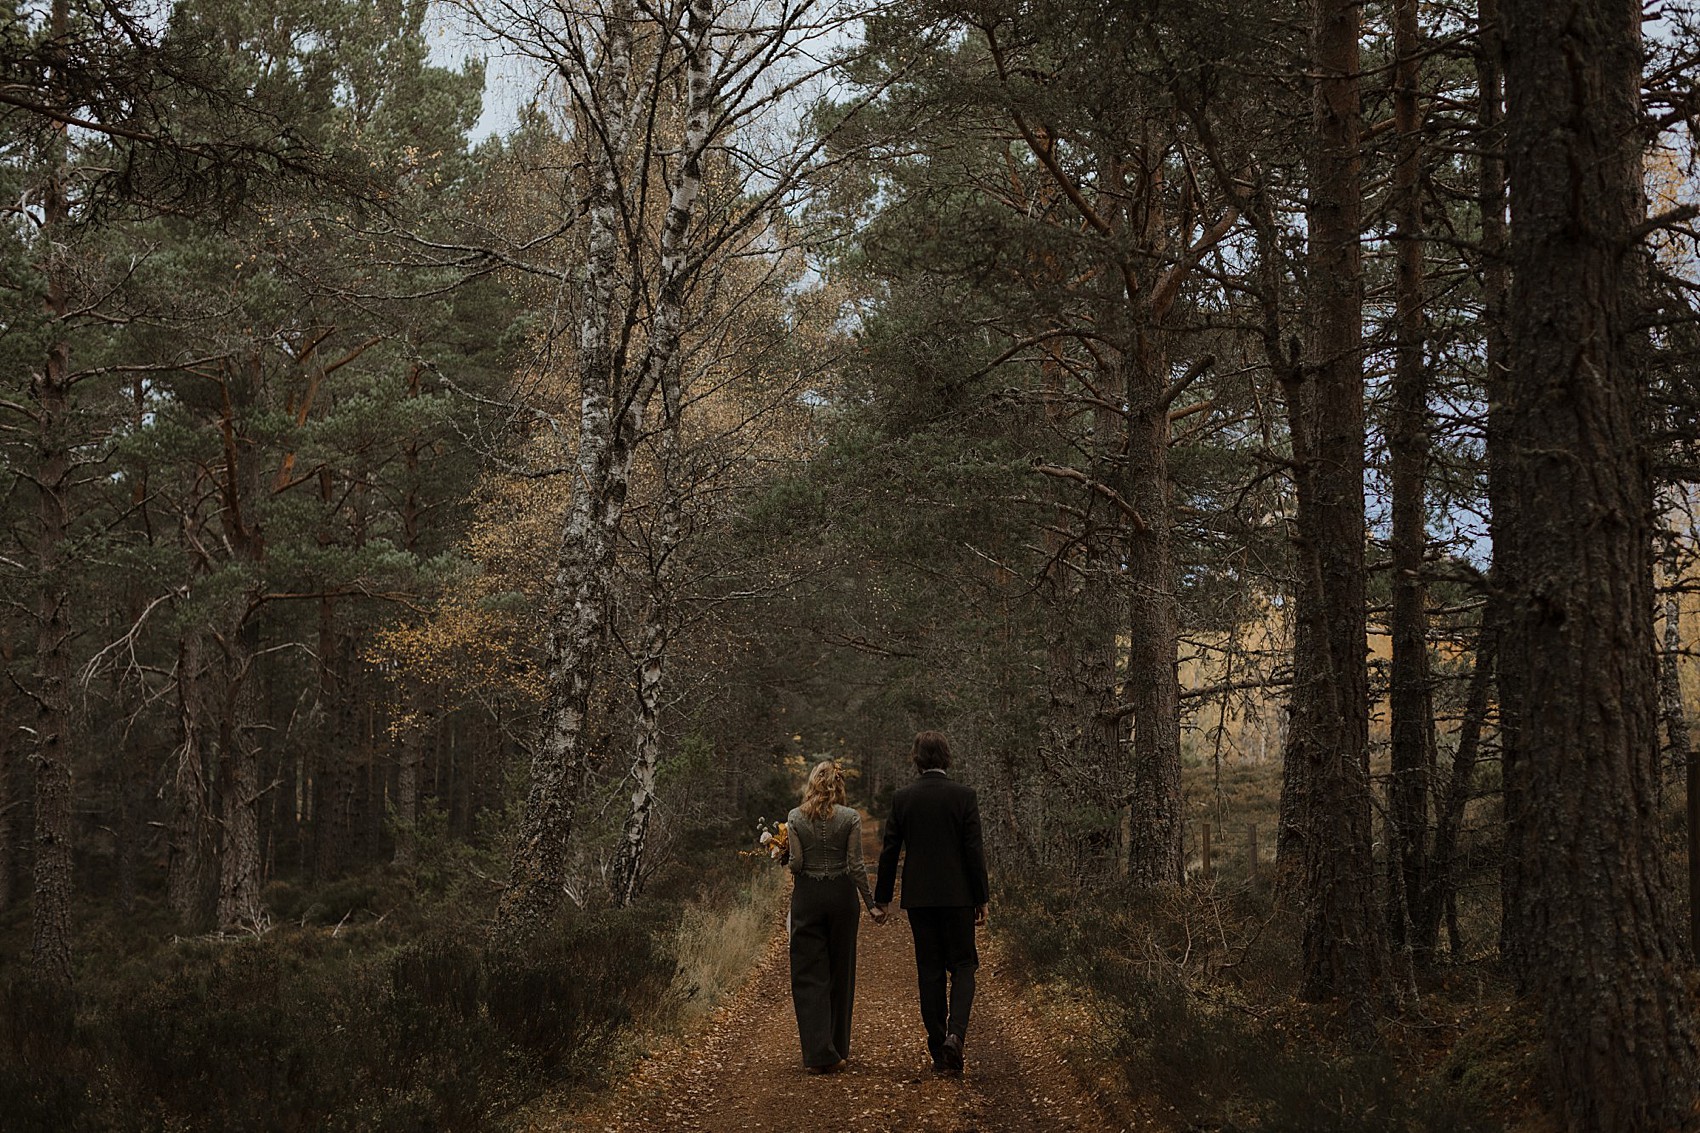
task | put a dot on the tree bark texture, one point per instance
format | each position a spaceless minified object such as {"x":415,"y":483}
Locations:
{"x":614,"y":399}
{"x":1411,"y":703}
{"x":627,"y":875}
{"x":1678,"y":744}
{"x":240,"y":868}
{"x":579,"y":590}
{"x":190,"y":850}
{"x":1680,"y":748}
{"x":333,"y":770}
{"x":1101,"y":775}
{"x":1156,"y":850}
{"x":1080,"y":754}
{"x":53,"y":722}
{"x":1344,"y":945}
{"x":1602,"y":949}
{"x":9,"y":802}
{"x":664,"y":369}
{"x":1496,"y":298}
{"x":233,"y":692}
{"x":408,"y":759}
{"x":1123,"y":582}
{"x":1440,"y":884}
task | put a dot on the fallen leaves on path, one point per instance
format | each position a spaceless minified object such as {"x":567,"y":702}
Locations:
{"x":742,"y":1071}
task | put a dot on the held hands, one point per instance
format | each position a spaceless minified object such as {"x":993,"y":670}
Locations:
{"x":879,"y":914}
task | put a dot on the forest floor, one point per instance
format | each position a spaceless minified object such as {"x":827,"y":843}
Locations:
{"x":741,"y":1071}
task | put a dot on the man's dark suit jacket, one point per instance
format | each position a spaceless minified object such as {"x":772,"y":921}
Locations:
{"x":938,"y":822}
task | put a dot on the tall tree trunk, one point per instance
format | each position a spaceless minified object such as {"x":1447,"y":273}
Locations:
{"x":411,"y":754}
{"x":407,"y":801}
{"x":1496,"y":298}
{"x":53,"y":723}
{"x":1098,"y":758}
{"x":1059,"y":723}
{"x":665,"y":363}
{"x":333,"y":785}
{"x":1344,"y":930}
{"x":1440,"y":884}
{"x":1282,"y":353}
{"x":8,"y":810}
{"x":241,"y":483}
{"x":189,"y":850}
{"x":1156,"y":853}
{"x":579,"y":590}
{"x":240,"y":871}
{"x":1682,"y":753}
{"x":11,"y":786}
{"x":610,"y":420}
{"x":627,"y":876}
{"x":1411,"y":701}
{"x":1670,"y":677}
{"x":1603,"y":951}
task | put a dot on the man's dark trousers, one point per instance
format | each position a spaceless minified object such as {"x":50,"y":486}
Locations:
{"x":944,"y":944}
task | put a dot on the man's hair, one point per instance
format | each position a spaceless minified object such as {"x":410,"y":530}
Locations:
{"x":931,"y":752}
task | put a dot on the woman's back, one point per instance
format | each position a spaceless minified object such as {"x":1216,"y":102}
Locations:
{"x":827,"y":847}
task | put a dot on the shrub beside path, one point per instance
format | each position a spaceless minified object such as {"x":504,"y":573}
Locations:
{"x":741,"y":1071}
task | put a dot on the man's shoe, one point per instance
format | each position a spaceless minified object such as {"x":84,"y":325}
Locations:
{"x":952,"y":1054}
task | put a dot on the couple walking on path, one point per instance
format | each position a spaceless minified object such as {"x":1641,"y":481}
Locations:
{"x":934,"y":826}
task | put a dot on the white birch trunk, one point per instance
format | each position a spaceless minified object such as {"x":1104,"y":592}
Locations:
{"x":578,"y":593}
{"x":610,"y":423}
{"x":626,"y":878}
{"x":662,"y":365}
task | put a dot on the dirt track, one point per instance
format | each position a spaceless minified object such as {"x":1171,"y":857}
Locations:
{"x":742,"y":1070}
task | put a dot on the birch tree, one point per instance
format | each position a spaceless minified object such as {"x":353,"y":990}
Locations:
{"x":642,"y":240}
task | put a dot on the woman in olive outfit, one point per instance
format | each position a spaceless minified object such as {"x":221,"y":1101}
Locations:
{"x":825,"y":856}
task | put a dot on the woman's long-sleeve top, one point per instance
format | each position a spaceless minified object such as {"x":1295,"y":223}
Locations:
{"x":825,"y":848}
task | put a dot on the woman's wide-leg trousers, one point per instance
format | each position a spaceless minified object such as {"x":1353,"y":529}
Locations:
{"x":824,"y":917}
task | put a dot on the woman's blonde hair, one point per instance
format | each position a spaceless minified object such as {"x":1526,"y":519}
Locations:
{"x":824,"y":790}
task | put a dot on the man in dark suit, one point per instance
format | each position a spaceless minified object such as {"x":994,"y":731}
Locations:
{"x":935,"y":825}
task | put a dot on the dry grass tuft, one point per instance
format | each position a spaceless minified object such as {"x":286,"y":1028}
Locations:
{"x":718,"y":945}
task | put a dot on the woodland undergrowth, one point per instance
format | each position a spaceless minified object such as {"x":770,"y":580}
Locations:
{"x":373,"y":1003}
{"x":1186,"y":1002}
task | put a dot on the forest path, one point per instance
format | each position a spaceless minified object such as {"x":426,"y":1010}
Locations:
{"x":742,"y":1071}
